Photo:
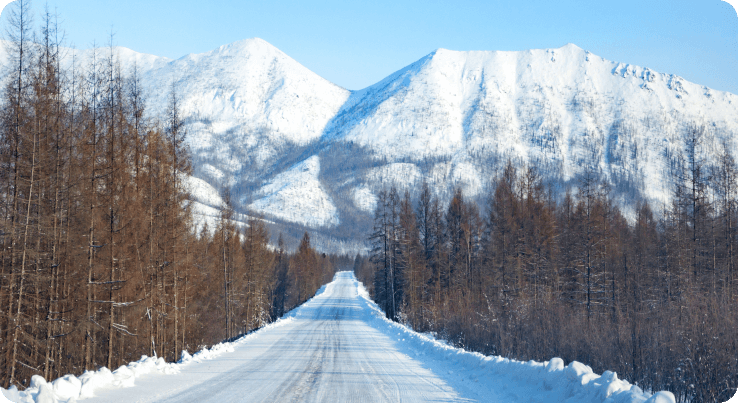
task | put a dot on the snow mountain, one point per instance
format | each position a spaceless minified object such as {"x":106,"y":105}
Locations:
{"x":564,"y":110}
{"x":308,"y":154}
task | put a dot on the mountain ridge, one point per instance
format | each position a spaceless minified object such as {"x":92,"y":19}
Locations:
{"x":451,"y":118}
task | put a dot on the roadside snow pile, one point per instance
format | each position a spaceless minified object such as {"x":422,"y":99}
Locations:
{"x":493,"y":378}
{"x":69,"y":388}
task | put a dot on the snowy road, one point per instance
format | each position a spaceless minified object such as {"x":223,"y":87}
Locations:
{"x":328,"y":353}
{"x":338,"y":347}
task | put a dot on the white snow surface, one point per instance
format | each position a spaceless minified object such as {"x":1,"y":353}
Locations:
{"x":296,"y":195}
{"x":202,"y":192}
{"x":402,"y":175}
{"x":203,"y":215}
{"x":364,"y":199}
{"x":206,"y":205}
{"x":339,"y":347}
{"x":250,"y":83}
{"x":564,"y":110}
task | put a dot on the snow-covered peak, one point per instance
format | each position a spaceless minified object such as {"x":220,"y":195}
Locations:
{"x":240,"y":50}
{"x":452,"y":101}
{"x":248,"y":90}
{"x":249,"y":46}
{"x":462,"y":114}
{"x":452,"y":118}
{"x":143,"y":61}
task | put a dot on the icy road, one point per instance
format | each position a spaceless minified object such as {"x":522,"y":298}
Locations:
{"x":338,"y":347}
{"x":328,"y":353}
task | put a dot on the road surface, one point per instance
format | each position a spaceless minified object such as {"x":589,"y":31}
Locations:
{"x":329,"y":352}
{"x":338,"y":347}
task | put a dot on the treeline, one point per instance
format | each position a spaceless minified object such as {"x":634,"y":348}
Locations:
{"x":99,"y":263}
{"x":530,"y":276}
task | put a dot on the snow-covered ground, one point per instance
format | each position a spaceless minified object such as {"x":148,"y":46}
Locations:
{"x":339,"y":347}
{"x":202,"y":192}
{"x":364,"y":199}
{"x":206,"y":206}
{"x":296,"y":195}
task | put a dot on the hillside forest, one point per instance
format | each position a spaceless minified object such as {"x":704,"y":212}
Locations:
{"x":99,"y":262}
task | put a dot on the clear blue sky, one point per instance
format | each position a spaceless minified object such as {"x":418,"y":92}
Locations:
{"x":356,"y":43}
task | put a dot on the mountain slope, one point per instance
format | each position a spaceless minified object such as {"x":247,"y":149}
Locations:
{"x":297,"y":196}
{"x":565,"y":109}
{"x":250,"y":94}
{"x":311,"y":155}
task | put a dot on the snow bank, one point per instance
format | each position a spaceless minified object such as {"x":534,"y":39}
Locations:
{"x":493,"y":378}
{"x":69,"y":388}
